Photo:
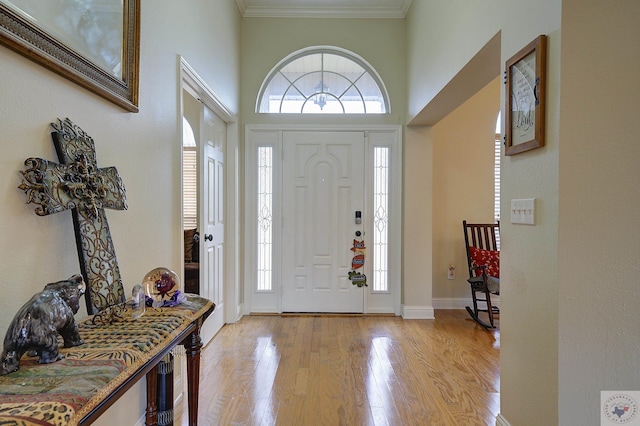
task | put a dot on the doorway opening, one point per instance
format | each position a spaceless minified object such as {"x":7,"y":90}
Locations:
{"x":190,"y":196}
{"x":209,"y":221}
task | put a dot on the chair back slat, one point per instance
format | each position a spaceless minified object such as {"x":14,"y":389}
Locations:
{"x":483,"y":236}
{"x":483,"y":279}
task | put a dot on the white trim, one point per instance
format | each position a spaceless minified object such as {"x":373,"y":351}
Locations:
{"x":417,"y":312}
{"x":261,"y":310}
{"x":266,"y":301}
{"x":376,"y":137}
{"x":198,"y":88}
{"x":271,"y":301}
{"x":501,"y":421}
{"x":239,"y":313}
{"x":324,"y":127}
{"x":201,"y":91}
{"x":251,"y":10}
{"x":232,"y":240}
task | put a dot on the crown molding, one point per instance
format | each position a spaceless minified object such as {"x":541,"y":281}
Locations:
{"x":242,"y":6}
{"x":277,"y":9}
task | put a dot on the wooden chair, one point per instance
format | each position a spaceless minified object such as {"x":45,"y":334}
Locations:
{"x":483,"y":260}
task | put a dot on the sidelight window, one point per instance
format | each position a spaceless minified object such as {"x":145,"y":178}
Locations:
{"x":380,"y":218}
{"x":265,"y":218}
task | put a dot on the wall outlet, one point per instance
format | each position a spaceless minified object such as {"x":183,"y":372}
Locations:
{"x":451,"y":275}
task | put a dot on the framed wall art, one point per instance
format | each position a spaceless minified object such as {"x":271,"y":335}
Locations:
{"x":94,"y":43}
{"x":525,"y":97}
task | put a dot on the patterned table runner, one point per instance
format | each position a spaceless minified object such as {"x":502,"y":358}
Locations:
{"x":62,"y":393}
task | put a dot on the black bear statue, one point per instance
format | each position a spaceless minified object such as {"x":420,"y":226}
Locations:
{"x":36,"y":326}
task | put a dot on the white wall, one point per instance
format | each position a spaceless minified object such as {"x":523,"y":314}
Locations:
{"x":599,"y":226}
{"x":442,"y":36}
{"x":144,"y":147}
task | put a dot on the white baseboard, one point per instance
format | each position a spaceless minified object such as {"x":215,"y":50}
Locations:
{"x":260,"y":310}
{"x":501,"y":421}
{"x":418,"y":312}
{"x":459,"y":302}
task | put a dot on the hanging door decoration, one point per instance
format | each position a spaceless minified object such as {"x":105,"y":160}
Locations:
{"x":358,"y":278}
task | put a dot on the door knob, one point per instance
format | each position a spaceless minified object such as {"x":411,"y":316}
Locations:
{"x":208,"y":237}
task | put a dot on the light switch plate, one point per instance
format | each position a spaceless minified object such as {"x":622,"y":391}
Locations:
{"x":523,"y":211}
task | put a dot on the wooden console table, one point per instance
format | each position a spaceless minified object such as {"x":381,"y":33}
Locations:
{"x":91,"y":377}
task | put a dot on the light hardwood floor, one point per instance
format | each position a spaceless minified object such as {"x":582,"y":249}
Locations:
{"x":350,"y":370}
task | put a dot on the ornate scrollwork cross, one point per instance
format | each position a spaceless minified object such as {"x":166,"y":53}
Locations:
{"x":78,"y":184}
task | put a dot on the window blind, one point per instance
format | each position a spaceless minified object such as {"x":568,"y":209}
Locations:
{"x":189,"y":188}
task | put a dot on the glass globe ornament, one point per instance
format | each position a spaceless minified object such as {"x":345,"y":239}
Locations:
{"x":162,"y":288}
{"x":138,"y":301}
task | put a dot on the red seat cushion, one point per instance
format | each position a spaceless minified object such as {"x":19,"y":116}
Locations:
{"x":490,"y":258}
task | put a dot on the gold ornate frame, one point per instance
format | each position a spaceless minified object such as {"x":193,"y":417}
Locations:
{"x":35,"y":43}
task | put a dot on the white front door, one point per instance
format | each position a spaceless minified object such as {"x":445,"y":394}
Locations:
{"x":212,"y":221}
{"x":323,"y":187}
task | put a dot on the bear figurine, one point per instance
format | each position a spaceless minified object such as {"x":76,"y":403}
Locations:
{"x":36,"y":326}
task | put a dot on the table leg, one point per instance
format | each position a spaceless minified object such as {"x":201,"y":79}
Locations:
{"x":193,"y":346}
{"x":151,"y":416}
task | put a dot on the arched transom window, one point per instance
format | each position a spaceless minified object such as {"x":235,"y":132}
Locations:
{"x":323,"y":80}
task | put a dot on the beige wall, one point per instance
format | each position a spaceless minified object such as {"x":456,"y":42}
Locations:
{"x":463,"y":180}
{"x":143,"y":146}
{"x":569,"y":323}
{"x":599,"y":226}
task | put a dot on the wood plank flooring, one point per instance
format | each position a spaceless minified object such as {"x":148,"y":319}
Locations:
{"x":350,"y":370}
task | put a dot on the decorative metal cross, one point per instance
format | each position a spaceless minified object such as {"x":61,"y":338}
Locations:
{"x":78,"y":184}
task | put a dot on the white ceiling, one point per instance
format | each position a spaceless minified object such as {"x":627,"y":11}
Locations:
{"x":324,"y":8}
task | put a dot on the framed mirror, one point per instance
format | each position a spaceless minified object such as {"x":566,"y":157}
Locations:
{"x":94,"y":43}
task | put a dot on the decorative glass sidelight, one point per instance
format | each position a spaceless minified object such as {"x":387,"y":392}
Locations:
{"x":380,"y":219}
{"x":265,"y":218}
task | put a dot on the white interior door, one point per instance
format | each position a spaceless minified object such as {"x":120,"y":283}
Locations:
{"x":212,"y":221}
{"x":323,"y":187}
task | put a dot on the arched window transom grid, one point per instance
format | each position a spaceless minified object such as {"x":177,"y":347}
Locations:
{"x":323,"y":81}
